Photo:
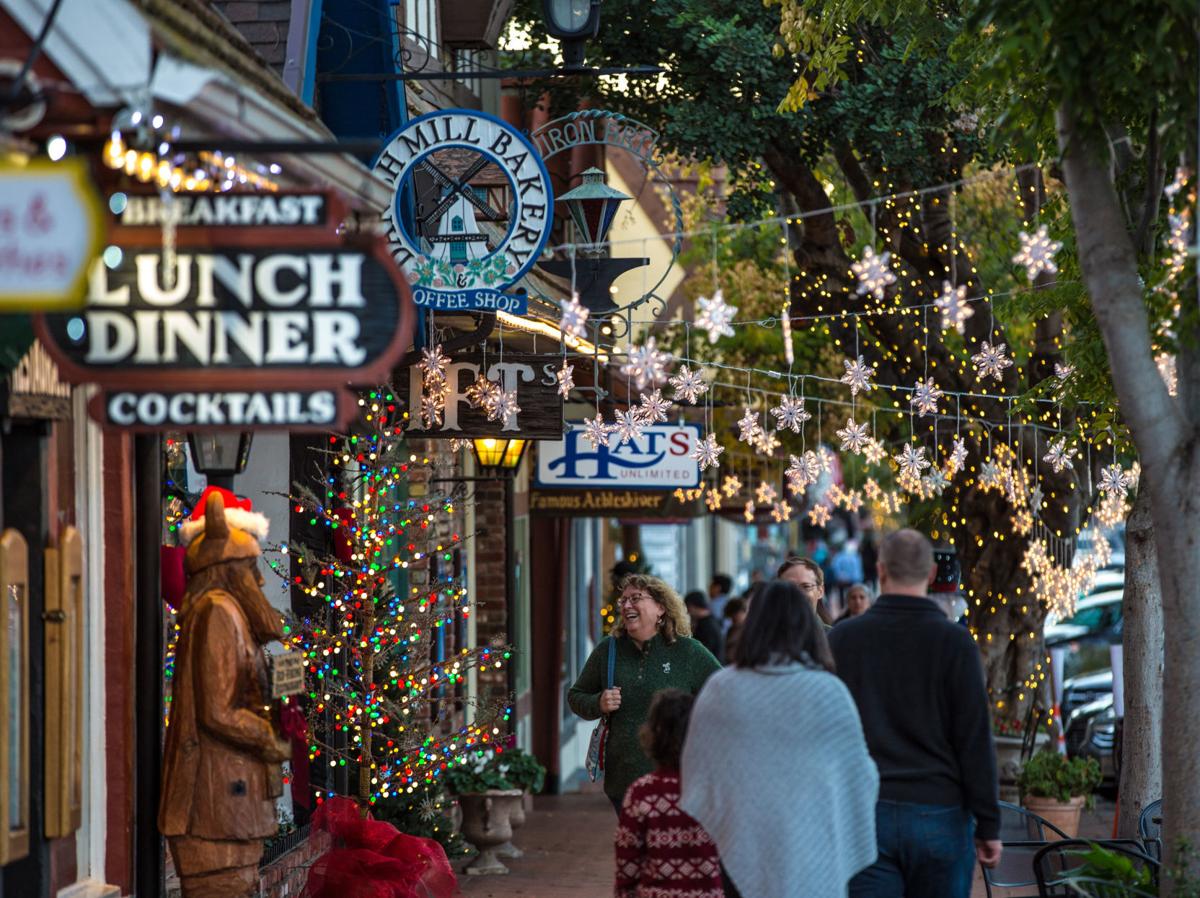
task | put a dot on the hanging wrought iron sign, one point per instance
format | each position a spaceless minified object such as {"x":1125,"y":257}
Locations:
{"x":233,"y":324}
{"x":591,"y":267}
{"x":471,"y":211}
{"x":539,"y":412}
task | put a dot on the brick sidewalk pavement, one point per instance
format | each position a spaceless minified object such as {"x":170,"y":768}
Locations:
{"x":567,"y":842}
{"x":568,"y":845}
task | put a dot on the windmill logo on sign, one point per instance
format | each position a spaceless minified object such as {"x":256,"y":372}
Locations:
{"x":471,"y":209}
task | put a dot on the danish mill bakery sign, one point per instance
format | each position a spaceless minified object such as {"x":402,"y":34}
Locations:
{"x":243,"y":324}
{"x":471,"y":210}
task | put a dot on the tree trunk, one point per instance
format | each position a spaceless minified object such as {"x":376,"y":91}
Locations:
{"x":1141,"y":750}
{"x":1167,"y":446}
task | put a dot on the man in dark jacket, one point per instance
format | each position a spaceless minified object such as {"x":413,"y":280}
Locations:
{"x":706,"y":628}
{"x":918,"y":683}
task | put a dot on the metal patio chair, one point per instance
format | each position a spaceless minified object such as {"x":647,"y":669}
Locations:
{"x":1150,"y":829}
{"x":1023,"y":834}
{"x":1053,"y":864}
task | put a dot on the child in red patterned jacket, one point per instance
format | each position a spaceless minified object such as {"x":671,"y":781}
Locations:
{"x":661,"y":851}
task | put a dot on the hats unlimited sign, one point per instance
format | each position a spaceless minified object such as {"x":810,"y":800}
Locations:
{"x":238,"y":327}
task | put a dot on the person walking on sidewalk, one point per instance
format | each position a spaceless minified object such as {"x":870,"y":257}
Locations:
{"x":918,"y":683}
{"x":775,"y":766}
{"x":661,"y":851}
{"x":706,"y":628}
{"x":654,"y":650}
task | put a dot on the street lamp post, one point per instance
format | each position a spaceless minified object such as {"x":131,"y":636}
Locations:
{"x":220,"y":455}
{"x":592,"y":207}
{"x":503,"y":456}
{"x":573,"y":22}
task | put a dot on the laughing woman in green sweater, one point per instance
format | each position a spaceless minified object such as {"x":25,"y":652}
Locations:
{"x":655,"y":651}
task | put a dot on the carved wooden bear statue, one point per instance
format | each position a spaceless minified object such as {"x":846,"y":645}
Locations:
{"x":221,"y":771}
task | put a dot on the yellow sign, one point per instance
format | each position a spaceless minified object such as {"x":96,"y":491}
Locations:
{"x":51,"y":228}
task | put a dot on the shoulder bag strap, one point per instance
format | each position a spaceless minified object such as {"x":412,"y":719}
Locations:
{"x":612,"y":661}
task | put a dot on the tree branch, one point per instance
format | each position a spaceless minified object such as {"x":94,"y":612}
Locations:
{"x":1110,"y":272}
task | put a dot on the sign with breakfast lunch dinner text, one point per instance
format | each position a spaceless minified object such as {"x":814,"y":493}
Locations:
{"x":259,"y":315}
{"x":471,"y":209}
{"x":658,"y":459}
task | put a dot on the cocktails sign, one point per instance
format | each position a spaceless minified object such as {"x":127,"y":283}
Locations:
{"x":471,"y":209}
{"x":239,"y":324}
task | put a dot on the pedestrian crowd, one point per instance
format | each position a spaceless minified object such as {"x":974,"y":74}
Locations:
{"x":831,"y":756}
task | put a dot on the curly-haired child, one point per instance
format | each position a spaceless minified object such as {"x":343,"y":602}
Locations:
{"x":661,"y":851}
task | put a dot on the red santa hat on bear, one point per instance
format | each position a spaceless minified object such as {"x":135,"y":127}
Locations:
{"x":238,"y":513}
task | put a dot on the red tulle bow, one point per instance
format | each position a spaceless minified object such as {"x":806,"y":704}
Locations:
{"x":372,"y":859}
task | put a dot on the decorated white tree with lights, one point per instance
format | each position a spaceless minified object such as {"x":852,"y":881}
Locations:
{"x":381,"y":699}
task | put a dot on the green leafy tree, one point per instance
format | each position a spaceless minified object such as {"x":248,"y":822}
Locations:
{"x":848,"y":105}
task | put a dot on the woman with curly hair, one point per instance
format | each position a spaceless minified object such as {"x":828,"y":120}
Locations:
{"x":653,"y":649}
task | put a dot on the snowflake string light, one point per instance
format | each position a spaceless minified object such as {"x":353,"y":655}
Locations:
{"x":958,"y":455}
{"x":574,"y":317}
{"x":731,"y":486}
{"x":1114,"y":481}
{"x":646,"y":365}
{"x":432,"y":412}
{"x":433,"y":362}
{"x":689,"y":385}
{"x":989,"y":475}
{"x":457,"y":443}
{"x":858,"y":375}
{"x":872,"y":490}
{"x":874,"y":273}
{"x":925,"y":397}
{"x":852,"y":501}
{"x":804,"y":470}
{"x":596,"y":431}
{"x":991,"y":360}
{"x":826,"y":459}
{"x":481,"y":390}
{"x":935,"y":482}
{"x":781,"y":512}
{"x":1063,"y":371}
{"x":953,"y":305}
{"x":791,"y":413}
{"x":749,"y":427}
{"x":765,"y":494}
{"x":853,"y":436}
{"x":1060,"y":455}
{"x":716,"y":317}
{"x":1036,"y":496}
{"x":766,"y":443}
{"x":712,"y":500}
{"x":748,"y":512}
{"x":707,"y":452}
{"x":874,"y":451}
{"x":819,"y":515}
{"x":505,"y":408}
{"x":653,"y":408}
{"x":912,"y":460}
{"x":566,"y":380}
{"x":1037,"y":253}
{"x":628,"y":426}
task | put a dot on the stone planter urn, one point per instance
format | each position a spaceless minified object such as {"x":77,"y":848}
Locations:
{"x":516,"y":819}
{"x":487,"y":824}
{"x":1063,"y":814}
{"x":1008,"y":762}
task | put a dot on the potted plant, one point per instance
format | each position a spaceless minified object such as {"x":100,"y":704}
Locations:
{"x":1056,"y":787}
{"x":526,"y":773}
{"x":488,"y":800}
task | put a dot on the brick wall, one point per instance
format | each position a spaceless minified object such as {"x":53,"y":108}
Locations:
{"x":285,"y":877}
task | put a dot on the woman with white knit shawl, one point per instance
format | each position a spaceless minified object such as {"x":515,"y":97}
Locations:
{"x":775,"y":767}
